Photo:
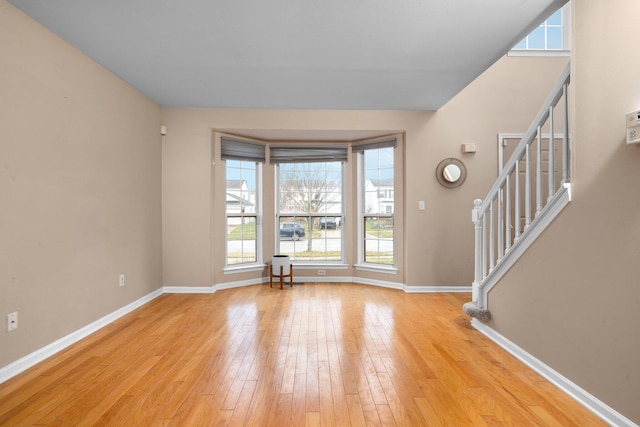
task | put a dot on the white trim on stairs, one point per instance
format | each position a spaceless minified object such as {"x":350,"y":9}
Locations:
{"x":590,"y":402}
{"x":553,"y":208}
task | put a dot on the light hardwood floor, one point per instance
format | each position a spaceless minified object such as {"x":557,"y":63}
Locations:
{"x":316,"y":354}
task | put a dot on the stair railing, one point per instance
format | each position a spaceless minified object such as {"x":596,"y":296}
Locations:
{"x":533,"y":186}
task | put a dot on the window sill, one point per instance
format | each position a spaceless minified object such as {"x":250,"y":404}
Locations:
{"x":532,"y":52}
{"x":376,"y":268}
{"x":244,"y":268}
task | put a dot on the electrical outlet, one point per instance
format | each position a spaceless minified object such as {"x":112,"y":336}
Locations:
{"x":12,"y":321}
{"x":121,"y":280}
{"x":321,"y":272}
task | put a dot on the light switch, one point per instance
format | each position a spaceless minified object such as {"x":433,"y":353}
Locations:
{"x":421,"y":205}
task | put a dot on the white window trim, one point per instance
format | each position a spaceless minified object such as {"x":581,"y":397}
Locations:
{"x":244,"y":268}
{"x":342,"y":215}
{"x":376,"y":268}
{"x":539,"y":53}
{"x":259,"y":263}
{"x":361,"y":264}
{"x":360,"y":207}
{"x":330,"y":265}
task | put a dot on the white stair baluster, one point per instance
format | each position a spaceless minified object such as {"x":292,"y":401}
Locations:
{"x":552,"y":158}
{"x":517,"y":201}
{"x":507,"y":214}
{"x":484,"y":245}
{"x":500,"y":223}
{"x":491,"y":238}
{"x":566,"y":175}
{"x":539,"y":172}
{"x":527,"y":188}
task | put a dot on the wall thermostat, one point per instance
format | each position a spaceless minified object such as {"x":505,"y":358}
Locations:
{"x":633,"y":127}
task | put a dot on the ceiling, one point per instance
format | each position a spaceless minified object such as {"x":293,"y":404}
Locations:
{"x":294,"y":54}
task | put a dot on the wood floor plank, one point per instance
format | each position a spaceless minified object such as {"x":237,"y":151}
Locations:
{"x":356,"y":414}
{"x":318,"y":354}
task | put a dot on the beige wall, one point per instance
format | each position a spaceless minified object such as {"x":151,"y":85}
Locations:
{"x":572,"y":301}
{"x":79,"y":188}
{"x":438,"y":242}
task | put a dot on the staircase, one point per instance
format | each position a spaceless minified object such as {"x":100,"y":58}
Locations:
{"x":531,"y":190}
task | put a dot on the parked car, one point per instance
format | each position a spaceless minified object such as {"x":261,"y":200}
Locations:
{"x":291,"y":229}
{"x":328,"y":224}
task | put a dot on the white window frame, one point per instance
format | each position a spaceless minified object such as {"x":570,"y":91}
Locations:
{"x":566,"y":39}
{"x":310,"y":264}
{"x":258,"y":264}
{"x":361,"y":214}
{"x":240,"y":149}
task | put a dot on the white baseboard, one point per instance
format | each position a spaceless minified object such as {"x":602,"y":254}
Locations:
{"x":47,"y":351}
{"x":188,"y":289}
{"x":214,"y":288}
{"x":380,"y":283}
{"x":321,"y":279}
{"x":240,"y":283}
{"x":602,"y":410}
{"x":435,"y":289}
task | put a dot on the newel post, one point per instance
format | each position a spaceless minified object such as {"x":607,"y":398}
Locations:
{"x":477,"y":221}
{"x":477,"y":307}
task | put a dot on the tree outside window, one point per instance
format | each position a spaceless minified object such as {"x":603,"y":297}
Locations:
{"x":310,"y":210}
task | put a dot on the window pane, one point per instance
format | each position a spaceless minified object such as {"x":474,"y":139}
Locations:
{"x":311,"y":238}
{"x":555,"y":19}
{"x":311,"y":188}
{"x":310,"y":211}
{"x":241,"y":240}
{"x":536,"y":39}
{"x":241,"y":210}
{"x":241,"y":186}
{"x":386,"y":159}
{"x":378,"y":195}
{"x":554,"y":38}
{"x":378,"y":192}
{"x":378,"y":242}
{"x":550,"y":35}
{"x":371,"y":159}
